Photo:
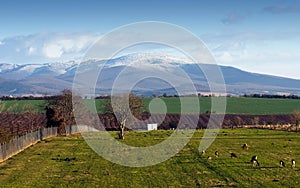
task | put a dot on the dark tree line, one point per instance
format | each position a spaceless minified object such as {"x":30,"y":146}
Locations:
{"x":10,"y":98}
{"x":48,"y":97}
{"x":271,"y":96}
{"x":60,"y":112}
{"x":124,"y":108}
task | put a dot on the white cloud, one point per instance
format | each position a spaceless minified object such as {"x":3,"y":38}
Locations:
{"x":67,"y":44}
{"x":53,"y":51}
{"x":255,"y":56}
{"x":31,"y":51}
{"x":248,"y":50}
{"x":225,"y":57}
{"x":45,"y":47}
{"x":271,"y":53}
{"x":285,"y":63}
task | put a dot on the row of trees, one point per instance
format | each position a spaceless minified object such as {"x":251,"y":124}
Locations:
{"x":59,"y":111}
{"x":272,"y":96}
{"x":124,"y":108}
{"x":256,"y":95}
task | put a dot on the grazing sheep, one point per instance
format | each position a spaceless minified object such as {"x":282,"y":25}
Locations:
{"x":233,"y":155}
{"x":254,"y":158}
{"x":209,"y":158}
{"x":282,"y":164}
{"x":217,"y":154}
{"x":245,"y":146}
{"x":254,"y":161}
{"x":203,"y":152}
{"x":293,"y":163}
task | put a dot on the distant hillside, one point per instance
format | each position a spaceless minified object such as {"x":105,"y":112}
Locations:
{"x":52,"y":78}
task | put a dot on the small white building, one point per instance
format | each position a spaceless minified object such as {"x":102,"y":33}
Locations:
{"x":152,"y":126}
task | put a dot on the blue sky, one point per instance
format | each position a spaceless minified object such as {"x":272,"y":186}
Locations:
{"x":258,"y":36}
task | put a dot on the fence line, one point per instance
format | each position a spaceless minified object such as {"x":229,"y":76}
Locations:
{"x":20,"y":143}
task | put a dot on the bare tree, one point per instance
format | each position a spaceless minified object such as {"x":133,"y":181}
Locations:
{"x":124,"y":107}
{"x":238,"y":121}
{"x":255,"y":121}
{"x":59,"y":111}
{"x":296,"y":119}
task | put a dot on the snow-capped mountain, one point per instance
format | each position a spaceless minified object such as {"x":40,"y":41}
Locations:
{"x":21,"y":72}
{"x":150,"y":72}
{"x":144,"y":59}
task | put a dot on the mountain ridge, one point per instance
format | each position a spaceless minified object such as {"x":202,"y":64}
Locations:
{"x":51,"y":78}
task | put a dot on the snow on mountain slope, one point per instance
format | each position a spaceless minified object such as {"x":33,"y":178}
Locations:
{"x":144,"y":59}
{"x":7,"y":67}
{"x":52,"y":78}
{"x":21,"y":72}
{"x":141,"y":60}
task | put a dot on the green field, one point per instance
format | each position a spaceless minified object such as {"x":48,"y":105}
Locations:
{"x":45,"y":164}
{"x":235,"y":105}
{"x":238,"y":105}
{"x":22,"y":106}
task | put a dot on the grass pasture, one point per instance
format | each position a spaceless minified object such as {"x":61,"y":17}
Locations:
{"x":235,"y":105}
{"x":69,"y":162}
{"x":22,"y":106}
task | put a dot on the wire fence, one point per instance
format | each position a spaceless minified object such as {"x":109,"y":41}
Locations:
{"x":21,"y":142}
